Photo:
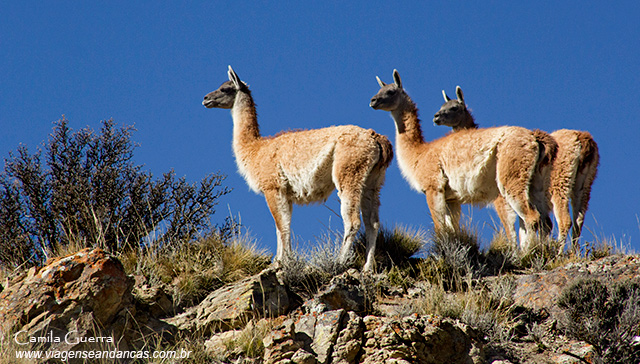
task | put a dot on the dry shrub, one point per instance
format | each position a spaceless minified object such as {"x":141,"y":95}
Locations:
{"x":84,"y":189}
{"x":605,"y":316}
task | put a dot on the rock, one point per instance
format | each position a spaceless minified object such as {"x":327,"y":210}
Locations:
{"x":345,"y":337}
{"x":231,"y":306}
{"x":218,"y":344}
{"x":425,"y":339}
{"x":280,"y":344}
{"x":575,"y":352}
{"x":540,"y":291}
{"x":152,"y":299}
{"x":343,"y":292}
{"x":303,"y":357}
{"x":313,"y":334}
{"x":79,"y":302}
{"x":349,"y":341}
{"x":326,"y":332}
{"x":89,"y":295}
{"x":81,"y":295}
{"x":305,"y":329}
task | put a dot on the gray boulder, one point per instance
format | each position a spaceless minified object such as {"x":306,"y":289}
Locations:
{"x":232,"y":306}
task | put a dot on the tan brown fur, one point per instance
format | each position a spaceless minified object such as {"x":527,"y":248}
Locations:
{"x":572,"y":173}
{"x":306,"y":166}
{"x":572,"y":176}
{"x":467,"y":167}
{"x":456,"y":114}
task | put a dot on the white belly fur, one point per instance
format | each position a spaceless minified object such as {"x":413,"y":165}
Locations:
{"x":313,"y":181}
{"x":473,"y":181}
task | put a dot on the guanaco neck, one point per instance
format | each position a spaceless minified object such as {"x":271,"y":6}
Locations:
{"x":468,"y":123}
{"x":408,"y":130}
{"x":245,"y":120}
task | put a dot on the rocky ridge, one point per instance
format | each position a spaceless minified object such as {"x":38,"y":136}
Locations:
{"x":89,"y":294}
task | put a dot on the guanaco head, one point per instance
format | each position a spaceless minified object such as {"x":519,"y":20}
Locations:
{"x":454,"y":113}
{"x":390,"y":96}
{"x":225,"y":95}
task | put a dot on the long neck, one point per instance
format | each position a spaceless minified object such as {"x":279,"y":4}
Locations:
{"x":245,"y":119}
{"x":407,"y":123}
{"x":467,"y":123}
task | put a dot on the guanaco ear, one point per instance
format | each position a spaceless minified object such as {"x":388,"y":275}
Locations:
{"x":382,"y":84}
{"x":446,"y":98}
{"x":396,"y":78}
{"x":460,"y":95}
{"x":233,"y":77}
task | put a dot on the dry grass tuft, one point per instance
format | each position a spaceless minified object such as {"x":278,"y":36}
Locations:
{"x":454,"y":260}
{"x":541,"y":255}
{"x":502,"y":255}
{"x":193,"y":269}
{"x":249,"y":343}
{"x":394,"y":247}
{"x":306,"y":273}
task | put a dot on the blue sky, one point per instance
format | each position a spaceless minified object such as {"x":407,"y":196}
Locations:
{"x":551,"y":65}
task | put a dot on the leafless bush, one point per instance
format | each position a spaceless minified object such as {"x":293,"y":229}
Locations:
{"x":84,"y":188}
{"x":607,"y":317}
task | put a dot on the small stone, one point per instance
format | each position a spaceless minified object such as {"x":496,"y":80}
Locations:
{"x":303,"y":357}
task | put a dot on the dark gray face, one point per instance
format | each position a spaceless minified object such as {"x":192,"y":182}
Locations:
{"x":391,"y":96}
{"x":388,"y":98}
{"x":452,"y":113}
{"x":222,"y":98}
